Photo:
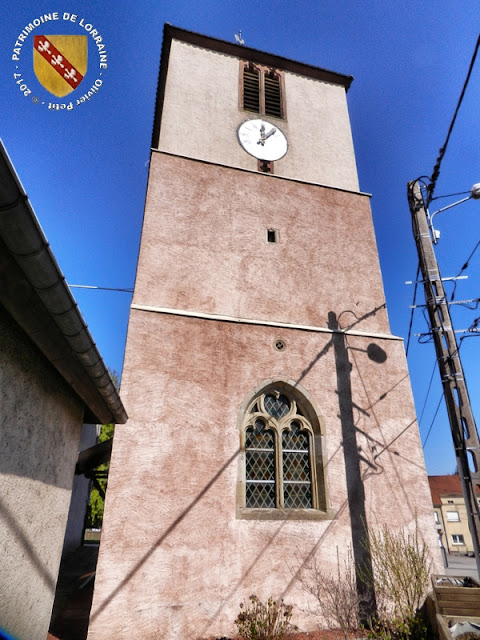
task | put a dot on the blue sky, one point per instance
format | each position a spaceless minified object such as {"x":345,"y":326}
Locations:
{"x":85,"y":169}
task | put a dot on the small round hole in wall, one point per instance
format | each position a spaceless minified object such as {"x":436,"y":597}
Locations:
{"x":279,"y":345}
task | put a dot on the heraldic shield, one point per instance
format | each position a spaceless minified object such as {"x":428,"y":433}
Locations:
{"x":60,"y":62}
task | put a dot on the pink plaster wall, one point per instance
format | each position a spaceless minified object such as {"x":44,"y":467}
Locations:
{"x":204,"y":247}
{"x":175,"y":561}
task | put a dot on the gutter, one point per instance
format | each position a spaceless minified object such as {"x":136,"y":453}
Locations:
{"x":34,"y":291}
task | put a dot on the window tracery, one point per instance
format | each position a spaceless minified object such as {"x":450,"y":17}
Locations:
{"x":280,"y":467}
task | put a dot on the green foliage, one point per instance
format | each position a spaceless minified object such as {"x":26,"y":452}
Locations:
{"x":264,"y":621}
{"x":96,"y":505}
{"x":106,"y":432}
{"x":410,"y":629}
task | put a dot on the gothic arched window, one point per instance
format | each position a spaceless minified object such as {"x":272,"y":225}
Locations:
{"x":282,"y":452}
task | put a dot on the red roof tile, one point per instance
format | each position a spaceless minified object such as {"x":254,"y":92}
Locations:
{"x":446,"y":486}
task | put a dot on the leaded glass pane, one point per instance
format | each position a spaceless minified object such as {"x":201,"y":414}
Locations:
{"x":296,"y":467}
{"x":297,"y":496}
{"x":260,"y":495}
{"x":277,"y":407}
{"x":297,"y":489}
{"x":294,"y":439}
{"x":257,"y":437}
{"x":260,"y":465}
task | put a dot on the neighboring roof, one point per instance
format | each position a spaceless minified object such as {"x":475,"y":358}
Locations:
{"x":238,"y":51}
{"x":34,"y":291}
{"x":446,"y":486}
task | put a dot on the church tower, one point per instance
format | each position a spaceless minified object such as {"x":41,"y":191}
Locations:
{"x":271,"y":415}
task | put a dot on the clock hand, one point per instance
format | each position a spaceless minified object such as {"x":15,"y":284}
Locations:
{"x":261,"y":140}
{"x":270,"y":133}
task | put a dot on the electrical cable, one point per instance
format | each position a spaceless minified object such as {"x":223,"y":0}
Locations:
{"x":428,"y":392}
{"x":450,"y":195}
{"x":465,"y":265}
{"x":441,"y":153}
{"x":88,"y":286}
{"x":468,"y":259}
{"x":413,"y":309}
{"x":433,"y":422}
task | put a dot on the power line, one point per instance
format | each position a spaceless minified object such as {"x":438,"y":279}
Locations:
{"x":465,"y":266}
{"x":88,"y":286}
{"x":441,"y":153}
{"x":450,"y":195}
{"x":413,"y":309}
{"x":433,"y":421}
{"x":428,"y":392}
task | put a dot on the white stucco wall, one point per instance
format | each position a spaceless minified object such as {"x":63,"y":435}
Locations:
{"x":39,"y":434}
{"x":199,"y":121}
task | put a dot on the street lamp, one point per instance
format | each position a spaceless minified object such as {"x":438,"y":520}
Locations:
{"x":462,"y":424}
{"x":435,"y":235}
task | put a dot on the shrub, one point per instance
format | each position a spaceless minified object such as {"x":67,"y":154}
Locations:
{"x":336,"y":595}
{"x":264,"y":621}
{"x":399,"y":573}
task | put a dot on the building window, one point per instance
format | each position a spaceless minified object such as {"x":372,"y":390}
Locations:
{"x":457,"y":539}
{"x":435,"y":515}
{"x":262,"y":90}
{"x":280,"y":465}
{"x":452,"y":516}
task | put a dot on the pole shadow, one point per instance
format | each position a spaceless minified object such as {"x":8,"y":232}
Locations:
{"x":354,"y":479}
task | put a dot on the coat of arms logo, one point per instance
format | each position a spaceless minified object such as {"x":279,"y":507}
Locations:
{"x":60,"y":62}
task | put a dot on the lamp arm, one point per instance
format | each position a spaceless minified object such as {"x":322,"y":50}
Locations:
{"x":449,"y":206}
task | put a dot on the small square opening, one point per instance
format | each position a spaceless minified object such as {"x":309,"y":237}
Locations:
{"x":272,"y":235}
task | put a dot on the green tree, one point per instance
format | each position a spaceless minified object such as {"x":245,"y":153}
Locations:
{"x":97,"y":494}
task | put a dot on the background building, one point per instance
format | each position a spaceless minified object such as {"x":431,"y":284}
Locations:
{"x":52,"y":381}
{"x":271,"y":416}
{"x":450,"y":513}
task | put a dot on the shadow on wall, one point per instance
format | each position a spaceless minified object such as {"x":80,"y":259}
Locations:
{"x":40,"y":416}
{"x":355,"y":459}
{"x":351,"y":452}
{"x":35,"y":561}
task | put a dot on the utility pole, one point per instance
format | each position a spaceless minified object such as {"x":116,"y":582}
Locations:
{"x":462,"y":423}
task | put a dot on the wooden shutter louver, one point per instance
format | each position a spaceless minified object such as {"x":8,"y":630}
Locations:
{"x":261,"y":90}
{"x":273,"y":100}
{"x":251,"y":89}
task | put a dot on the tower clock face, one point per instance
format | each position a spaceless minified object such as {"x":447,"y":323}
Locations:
{"x":262,"y":139}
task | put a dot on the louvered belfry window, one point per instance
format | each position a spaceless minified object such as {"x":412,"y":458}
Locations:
{"x":279,"y":457}
{"x":251,"y":89}
{"x":273,"y":98}
{"x":262,"y":91}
